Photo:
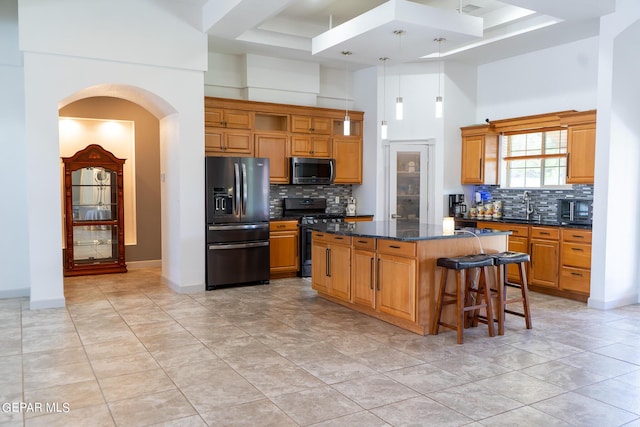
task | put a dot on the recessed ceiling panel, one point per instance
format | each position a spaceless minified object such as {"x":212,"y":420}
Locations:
{"x":371,"y":35}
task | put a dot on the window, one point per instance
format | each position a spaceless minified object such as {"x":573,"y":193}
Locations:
{"x":534,"y":159}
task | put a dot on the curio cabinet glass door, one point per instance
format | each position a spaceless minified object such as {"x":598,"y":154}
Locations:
{"x":94,"y":213}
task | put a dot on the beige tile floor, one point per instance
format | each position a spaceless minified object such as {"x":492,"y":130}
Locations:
{"x":128,"y":351}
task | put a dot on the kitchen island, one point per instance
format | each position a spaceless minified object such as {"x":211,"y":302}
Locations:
{"x":388,"y":270}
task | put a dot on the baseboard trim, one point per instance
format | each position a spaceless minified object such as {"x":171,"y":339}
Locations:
{"x":153,"y":263}
{"x":607,"y":305}
{"x":47,"y":303}
{"x":188,"y":289}
{"x":15,"y":293}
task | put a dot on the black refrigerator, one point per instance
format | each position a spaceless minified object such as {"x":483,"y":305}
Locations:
{"x":237,"y":211}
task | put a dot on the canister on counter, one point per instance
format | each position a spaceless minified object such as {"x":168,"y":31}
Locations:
{"x":497,"y":209}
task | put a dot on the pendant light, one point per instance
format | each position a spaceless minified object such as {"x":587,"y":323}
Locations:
{"x":439,"y":106}
{"x":399,"y":103}
{"x":383,"y":124}
{"x":347,"y":120}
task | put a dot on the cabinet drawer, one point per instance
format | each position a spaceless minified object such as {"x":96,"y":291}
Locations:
{"x":551,"y":233}
{"x":573,"y":235}
{"x":576,"y":255}
{"x":364,"y":243}
{"x":394,"y":247}
{"x":283,"y":225}
{"x":331,"y":238}
{"x":516,"y":229}
{"x":575,"y":279}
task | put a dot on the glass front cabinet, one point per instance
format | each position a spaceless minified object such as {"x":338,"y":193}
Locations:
{"x":93,"y":213}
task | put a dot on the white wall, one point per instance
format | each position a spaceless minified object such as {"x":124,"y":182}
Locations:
{"x":555,"y":79}
{"x":14,"y":249}
{"x":52,"y":80}
{"x":616,"y":251}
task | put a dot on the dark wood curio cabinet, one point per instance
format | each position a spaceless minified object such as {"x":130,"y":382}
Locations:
{"x":94,"y":212}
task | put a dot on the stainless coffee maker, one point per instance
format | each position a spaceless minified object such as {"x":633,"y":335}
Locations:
{"x":457,"y":207}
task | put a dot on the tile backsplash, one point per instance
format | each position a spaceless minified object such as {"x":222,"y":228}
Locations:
{"x":278,"y":192}
{"x":544,"y":202}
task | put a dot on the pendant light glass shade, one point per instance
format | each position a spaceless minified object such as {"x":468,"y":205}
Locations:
{"x":438,"y":107}
{"x":399,"y":108}
{"x":347,"y":125}
{"x":383,"y":130}
{"x":439,"y":104}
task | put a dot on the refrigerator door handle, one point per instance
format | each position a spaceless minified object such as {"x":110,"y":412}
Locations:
{"x":236,"y":177}
{"x":238,"y":246}
{"x":245,"y":189}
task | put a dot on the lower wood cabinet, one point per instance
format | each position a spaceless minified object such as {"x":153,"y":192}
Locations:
{"x":331,"y":265}
{"x":284,"y":248}
{"x":363,"y":272}
{"x":396,"y":279}
{"x":544,"y":250}
{"x":575,"y":261}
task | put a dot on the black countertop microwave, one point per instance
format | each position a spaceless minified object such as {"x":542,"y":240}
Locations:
{"x":575,"y":211}
{"x":311,"y":170}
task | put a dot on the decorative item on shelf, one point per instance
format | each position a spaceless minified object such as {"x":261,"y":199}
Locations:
{"x":347,"y":119}
{"x":411,"y":166}
{"x":497,"y":209}
{"x":488,"y":210}
{"x":480,"y":211}
{"x":439,"y":106}
{"x":383,"y":124}
{"x":399,"y":103}
{"x":473,"y":213}
{"x":448,"y":225}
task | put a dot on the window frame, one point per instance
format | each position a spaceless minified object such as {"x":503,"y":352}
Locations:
{"x":504,"y":159}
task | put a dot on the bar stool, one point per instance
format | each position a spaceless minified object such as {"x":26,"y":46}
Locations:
{"x":502,"y":260}
{"x":461,"y":265}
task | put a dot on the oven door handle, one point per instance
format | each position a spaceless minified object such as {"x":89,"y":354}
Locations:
{"x":238,"y":246}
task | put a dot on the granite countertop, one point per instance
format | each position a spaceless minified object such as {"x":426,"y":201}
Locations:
{"x":289,"y":218}
{"x":549,"y":223}
{"x":399,"y":231}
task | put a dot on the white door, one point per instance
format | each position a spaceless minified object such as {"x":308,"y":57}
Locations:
{"x":408,"y":172}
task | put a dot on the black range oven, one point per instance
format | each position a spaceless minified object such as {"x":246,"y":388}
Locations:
{"x":309,"y":211}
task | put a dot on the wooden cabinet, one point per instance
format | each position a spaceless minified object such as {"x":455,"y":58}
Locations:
{"x":279,"y":131}
{"x":347,"y":151}
{"x":396,"y":279}
{"x":575,"y":260}
{"x":331,"y":264}
{"x":284,"y":248}
{"x":581,"y":154}
{"x":359,"y":218}
{"x":311,"y":124}
{"x":544,"y":251}
{"x":518,"y":242}
{"x":93,"y":212}
{"x":223,"y":142}
{"x":310,"y":146}
{"x":275,"y":147}
{"x":231,"y":119}
{"x":479,"y":156}
{"x":363,"y":272}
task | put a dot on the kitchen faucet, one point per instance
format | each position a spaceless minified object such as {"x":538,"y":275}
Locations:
{"x":526,"y":199}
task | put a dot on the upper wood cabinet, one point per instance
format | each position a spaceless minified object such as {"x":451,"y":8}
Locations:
{"x":310,"y":146}
{"x":279,"y":131}
{"x":479,"y":156}
{"x":310,"y":124}
{"x":581,"y":154}
{"x":275,"y":147}
{"x":347,"y":150}
{"x":232,"y":119}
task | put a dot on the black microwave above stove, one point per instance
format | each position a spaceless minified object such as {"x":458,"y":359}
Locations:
{"x":575,"y":211}
{"x":311,"y":170}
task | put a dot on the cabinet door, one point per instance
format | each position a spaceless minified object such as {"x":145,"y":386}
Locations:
{"x":283,"y":251}
{"x":238,"y":142}
{"x":575,"y":279}
{"x":274,"y":147}
{"x":363,"y":267}
{"x":321,"y":125}
{"x":300,"y":124}
{"x":213,"y":142}
{"x":396,"y":285}
{"x":301,"y":146}
{"x":581,"y":148}
{"x":237,"y":119}
{"x":543,"y":269}
{"x":214,"y":117}
{"x":319,"y":266}
{"x":348,"y":154}
{"x":516,"y":244}
{"x":321,"y":146}
{"x":472,"y":158}
{"x":340,"y":271}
